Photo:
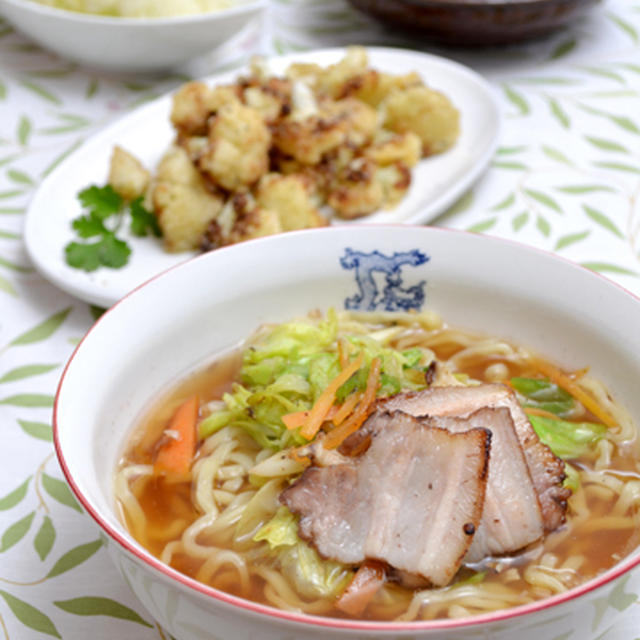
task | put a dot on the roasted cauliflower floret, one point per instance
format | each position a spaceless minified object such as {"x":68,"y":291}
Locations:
{"x":308,"y":140}
{"x":372,"y":86}
{"x":357,"y":192}
{"x":240,"y":219}
{"x":314,"y":130}
{"x":238,"y":152}
{"x":268,"y":105}
{"x":190,"y":108}
{"x":194,"y":103}
{"x":333,"y":80}
{"x":395,"y":179}
{"x":255,"y":223}
{"x":389,"y":148}
{"x":270,"y":96}
{"x":183,"y":203}
{"x":425,"y":112}
{"x":361,"y":119}
{"x":363,"y":186}
{"x":127,"y":176}
{"x":291,"y":198}
{"x":195,"y":146}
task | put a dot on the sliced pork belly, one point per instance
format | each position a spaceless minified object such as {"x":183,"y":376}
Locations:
{"x":547,"y":471}
{"x":511,"y":518}
{"x":413,"y":499}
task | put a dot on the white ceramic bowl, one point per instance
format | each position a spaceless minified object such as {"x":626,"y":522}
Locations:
{"x":564,"y":311}
{"x":128,"y":44}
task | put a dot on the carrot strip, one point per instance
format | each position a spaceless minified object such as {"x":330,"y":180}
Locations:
{"x":298,"y":418}
{"x":331,"y":414}
{"x":576,"y":375}
{"x":364,"y":585}
{"x":337,"y":436}
{"x":343,"y":353}
{"x":318,"y":412}
{"x":565,"y":382}
{"x":295,"y":420}
{"x":177,"y":452}
{"x":346,"y":408}
{"x":533,"y":411}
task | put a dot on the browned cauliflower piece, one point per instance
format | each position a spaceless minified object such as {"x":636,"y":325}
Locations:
{"x":315,"y":177}
{"x":306,"y":72}
{"x":182,"y":201}
{"x":316,"y":128}
{"x":268,"y":105}
{"x":357,"y":192}
{"x":389,"y":148}
{"x":193,"y":104}
{"x":309,"y":139}
{"x":332,"y":80}
{"x":291,"y":198}
{"x":425,"y":112}
{"x":255,"y":223}
{"x":270,"y":96}
{"x":127,"y":176}
{"x":361,"y":119}
{"x":395,"y":179}
{"x":241,"y":219}
{"x":373,"y":86}
{"x":238,"y":152}
{"x":195,"y":146}
{"x":190,"y":108}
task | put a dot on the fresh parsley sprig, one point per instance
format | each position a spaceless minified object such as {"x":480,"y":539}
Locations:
{"x":105,"y":214}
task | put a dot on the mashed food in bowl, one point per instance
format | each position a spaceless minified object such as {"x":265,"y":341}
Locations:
{"x":385,"y":467}
{"x":139,"y":8}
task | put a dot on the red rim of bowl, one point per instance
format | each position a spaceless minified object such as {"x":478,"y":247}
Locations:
{"x":306,"y":619}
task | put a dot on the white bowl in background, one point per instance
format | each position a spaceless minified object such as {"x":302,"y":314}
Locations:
{"x":571,"y":315}
{"x":128,"y":44}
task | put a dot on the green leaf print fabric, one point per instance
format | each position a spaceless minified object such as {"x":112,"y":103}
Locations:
{"x":565,"y":178}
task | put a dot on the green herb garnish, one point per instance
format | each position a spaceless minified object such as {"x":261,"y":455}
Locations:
{"x":105,"y":213}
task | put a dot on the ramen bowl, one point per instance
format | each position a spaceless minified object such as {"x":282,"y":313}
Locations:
{"x":208,"y":305}
{"x":129,"y":44}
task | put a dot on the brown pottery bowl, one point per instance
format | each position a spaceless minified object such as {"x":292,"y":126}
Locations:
{"x":476,"y":22}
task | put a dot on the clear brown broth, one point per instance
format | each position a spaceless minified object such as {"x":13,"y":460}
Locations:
{"x":163,"y":503}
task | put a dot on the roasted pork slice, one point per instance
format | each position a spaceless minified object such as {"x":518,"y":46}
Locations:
{"x":413,"y":499}
{"x":547,"y":470}
{"x":511,"y":518}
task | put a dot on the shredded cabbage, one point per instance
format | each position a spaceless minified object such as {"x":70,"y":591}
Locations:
{"x":568,"y":440}
{"x":545,"y":395}
{"x":286,"y":371}
{"x":313,"y":576}
{"x":281,"y":530}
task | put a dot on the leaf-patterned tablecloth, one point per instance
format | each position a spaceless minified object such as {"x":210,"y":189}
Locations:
{"x":565,"y":178}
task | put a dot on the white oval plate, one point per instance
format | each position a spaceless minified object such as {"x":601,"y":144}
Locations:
{"x":436,"y":182}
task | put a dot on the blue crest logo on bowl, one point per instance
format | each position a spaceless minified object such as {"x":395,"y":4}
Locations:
{"x":395,"y":295}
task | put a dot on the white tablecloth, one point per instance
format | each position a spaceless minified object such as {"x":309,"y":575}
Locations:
{"x":566,"y":178}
